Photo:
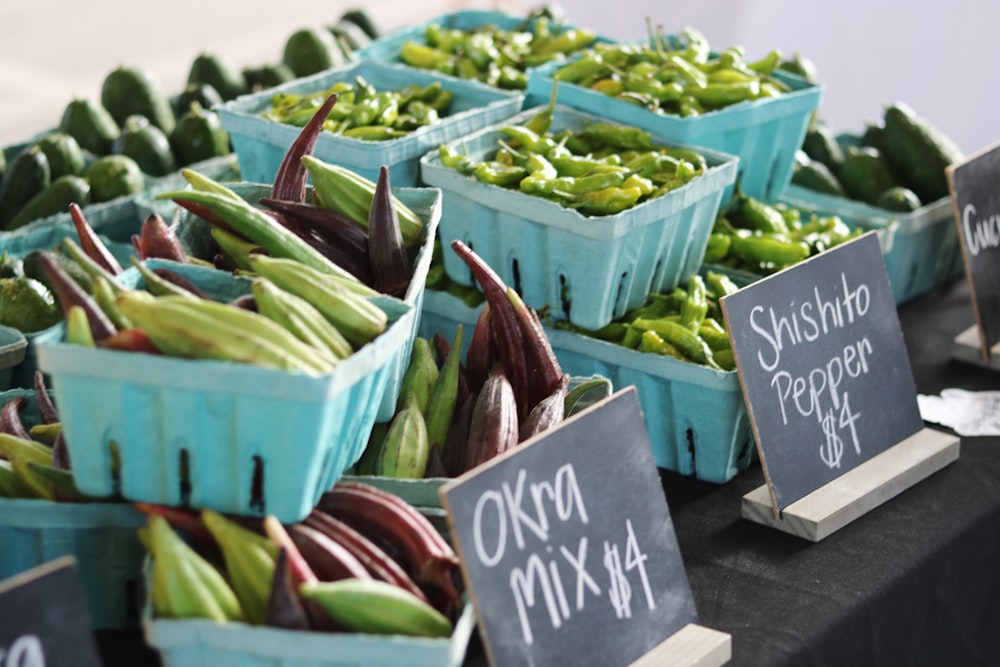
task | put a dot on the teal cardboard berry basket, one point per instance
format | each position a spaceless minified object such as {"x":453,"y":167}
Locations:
{"x":234,"y":437}
{"x":696,"y":417}
{"x":261,"y":143}
{"x":763,"y":133}
{"x":588,"y":270}
{"x":921,"y":248}
{"x":120,"y":215}
{"x":425,"y":202}
{"x":13,"y":346}
{"x":187,"y":642}
{"x":100,"y":535}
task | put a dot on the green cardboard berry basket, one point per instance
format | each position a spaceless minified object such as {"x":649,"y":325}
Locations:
{"x":425,"y":202}
{"x":588,"y":270}
{"x":100,"y":535}
{"x":696,"y":417}
{"x":234,"y":437}
{"x":261,"y":144}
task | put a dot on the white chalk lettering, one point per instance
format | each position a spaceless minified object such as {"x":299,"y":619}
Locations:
{"x":522,"y":585}
{"x":798,"y":324}
{"x":26,"y":651}
{"x":489,"y":559}
{"x":583,"y":578}
{"x":980,"y":234}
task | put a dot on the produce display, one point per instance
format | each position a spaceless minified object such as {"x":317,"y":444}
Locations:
{"x":685,"y":324}
{"x":752,"y":236}
{"x":492,"y":54}
{"x":249,"y":523}
{"x":675,"y":76}
{"x":897,"y":164}
{"x":601,"y":170}
{"x":363,"y":561}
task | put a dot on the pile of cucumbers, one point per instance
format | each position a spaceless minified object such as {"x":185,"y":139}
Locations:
{"x":110,"y":148}
{"x":898,"y":164}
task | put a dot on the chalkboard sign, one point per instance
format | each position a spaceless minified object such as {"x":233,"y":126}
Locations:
{"x":975,"y":192}
{"x":43,"y":619}
{"x":823,"y":365}
{"x":567,"y":546}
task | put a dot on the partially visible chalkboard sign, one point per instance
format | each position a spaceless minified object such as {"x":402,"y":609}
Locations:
{"x":567,"y":546}
{"x":43,"y":619}
{"x":823,"y":365}
{"x":975,"y":194}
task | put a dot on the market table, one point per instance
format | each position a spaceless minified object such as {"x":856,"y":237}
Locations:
{"x":914,"y":582}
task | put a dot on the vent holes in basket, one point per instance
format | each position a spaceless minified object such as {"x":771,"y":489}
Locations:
{"x":689,"y":435}
{"x":114,"y":456}
{"x":564,"y":295}
{"x":185,"y":476}
{"x":257,"y":485}
{"x":621,"y":296}
{"x":773,"y":173}
{"x":515,"y":271}
{"x":132,"y":601}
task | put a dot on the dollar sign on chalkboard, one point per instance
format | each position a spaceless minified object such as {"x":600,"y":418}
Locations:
{"x":833,"y":450}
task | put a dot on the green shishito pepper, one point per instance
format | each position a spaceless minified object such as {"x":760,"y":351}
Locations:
{"x":682,"y":78}
{"x":363,"y":113}
{"x":601,"y":169}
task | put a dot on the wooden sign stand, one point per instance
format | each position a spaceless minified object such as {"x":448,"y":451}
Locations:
{"x":858,"y":491}
{"x":968,"y":348}
{"x":692,"y":646}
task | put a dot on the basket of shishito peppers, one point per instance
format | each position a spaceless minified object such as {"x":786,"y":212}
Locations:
{"x":578,"y":214}
{"x":677,"y":87}
{"x":384,"y":115}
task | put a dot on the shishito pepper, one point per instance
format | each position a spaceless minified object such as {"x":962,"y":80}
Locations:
{"x":607,"y":201}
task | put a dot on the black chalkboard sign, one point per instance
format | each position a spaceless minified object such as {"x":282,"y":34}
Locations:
{"x":975,"y":194}
{"x":823,"y":365}
{"x":43,"y":619}
{"x":567,"y":546}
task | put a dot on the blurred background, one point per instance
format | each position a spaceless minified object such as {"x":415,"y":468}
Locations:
{"x":937,"y":57}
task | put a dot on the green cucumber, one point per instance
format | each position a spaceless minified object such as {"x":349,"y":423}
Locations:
{"x":899,"y":199}
{"x":64,"y":154}
{"x":147,"y":144}
{"x":135,"y":91}
{"x":114,"y":176}
{"x":90,"y":124}
{"x":865,"y":175}
{"x":267,"y":76}
{"x":311,"y":50}
{"x":919,"y":152}
{"x":198,"y":136}
{"x":202,"y":93}
{"x":27,"y":175}
{"x":54,"y":199}
{"x":216,"y":72}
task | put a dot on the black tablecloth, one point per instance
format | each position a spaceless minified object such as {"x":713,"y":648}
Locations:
{"x":914,"y":582}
